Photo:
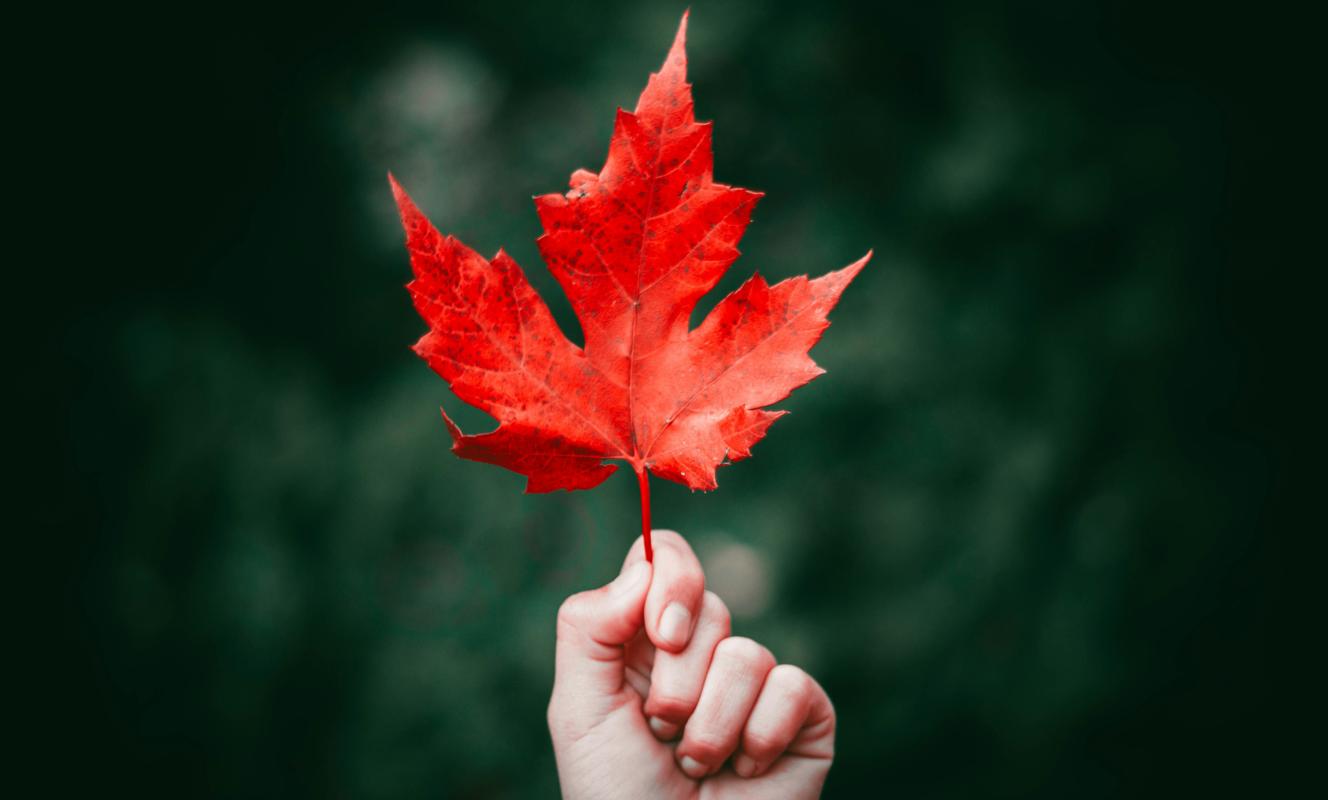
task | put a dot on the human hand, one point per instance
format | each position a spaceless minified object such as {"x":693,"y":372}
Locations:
{"x":648,"y":658}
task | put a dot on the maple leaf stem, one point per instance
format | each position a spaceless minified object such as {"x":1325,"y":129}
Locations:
{"x":643,"y":480}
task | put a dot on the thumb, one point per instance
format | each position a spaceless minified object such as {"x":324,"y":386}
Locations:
{"x":593,"y":626}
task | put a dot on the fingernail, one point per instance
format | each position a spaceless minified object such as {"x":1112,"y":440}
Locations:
{"x":744,"y":765}
{"x":692,"y":767}
{"x":662,"y":729}
{"x":630,"y":579}
{"x":675,"y":624}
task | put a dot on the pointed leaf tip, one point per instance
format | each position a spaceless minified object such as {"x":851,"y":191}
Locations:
{"x":857,"y":266}
{"x":677,"y":57}
{"x":405,"y":206}
{"x":452,"y":428}
{"x":847,"y":274}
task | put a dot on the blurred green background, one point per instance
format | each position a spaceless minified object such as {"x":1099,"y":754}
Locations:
{"x":1016,"y":530}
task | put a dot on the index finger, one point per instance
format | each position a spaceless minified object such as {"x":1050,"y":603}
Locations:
{"x":673,"y":603}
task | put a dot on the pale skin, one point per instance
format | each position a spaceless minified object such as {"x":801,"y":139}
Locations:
{"x":653,"y":698}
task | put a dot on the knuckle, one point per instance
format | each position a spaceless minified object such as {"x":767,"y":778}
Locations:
{"x":792,"y":679}
{"x":560,"y":728}
{"x":571,"y":614}
{"x":567,"y":612}
{"x":747,"y":651}
{"x":713,"y":608}
{"x":708,"y":746}
{"x":669,"y":707}
{"x":761,"y":746}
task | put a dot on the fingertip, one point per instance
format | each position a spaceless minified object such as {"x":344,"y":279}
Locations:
{"x":663,"y":729}
{"x":667,"y":534}
{"x":693,"y":768}
{"x":659,"y":537}
{"x":676,"y":593}
{"x":744,"y":765}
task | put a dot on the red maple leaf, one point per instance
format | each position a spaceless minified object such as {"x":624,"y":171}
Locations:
{"x":634,"y":247}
